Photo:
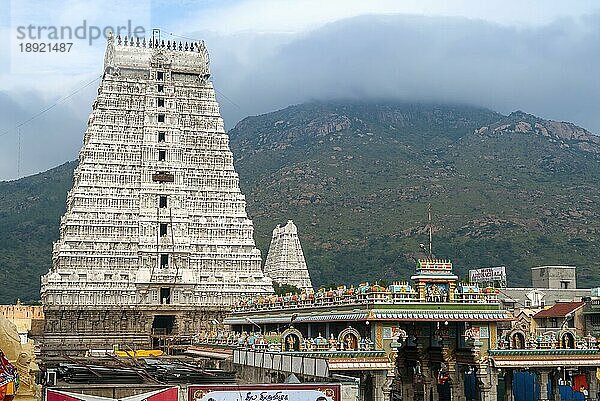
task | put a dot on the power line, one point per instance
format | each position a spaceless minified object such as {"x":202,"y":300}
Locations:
{"x":228,"y":99}
{"x":47,"y":109}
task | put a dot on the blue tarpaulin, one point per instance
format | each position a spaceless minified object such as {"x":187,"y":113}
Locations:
{"x":525,"y":386}
{"x":568,"y":394}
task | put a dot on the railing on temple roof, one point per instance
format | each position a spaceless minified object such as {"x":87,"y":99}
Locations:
{"x":544,"y":339}
{"x":135,"y":41}
{"x":315,"y":346}
{"x":397,"y":293}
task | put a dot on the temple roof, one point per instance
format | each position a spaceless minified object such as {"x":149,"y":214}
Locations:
{"x":528,"y":358}
{"x":561,"y":309}
{"x":399,"y":312}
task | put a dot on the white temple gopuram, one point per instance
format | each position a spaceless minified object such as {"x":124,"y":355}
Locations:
{"x":155,"y":239}
{"x":285,"y":261}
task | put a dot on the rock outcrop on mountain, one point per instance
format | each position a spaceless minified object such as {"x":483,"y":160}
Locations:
{"x":566,"y":134}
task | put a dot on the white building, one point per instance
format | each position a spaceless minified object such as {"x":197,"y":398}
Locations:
{"x":155,"y":215}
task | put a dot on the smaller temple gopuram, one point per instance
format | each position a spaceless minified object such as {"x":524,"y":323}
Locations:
{"x":285,"y":261}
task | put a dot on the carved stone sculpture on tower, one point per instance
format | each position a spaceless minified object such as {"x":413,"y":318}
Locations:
{"x":285,"y":261}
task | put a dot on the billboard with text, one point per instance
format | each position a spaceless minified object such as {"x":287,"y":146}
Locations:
{"x":488,"y":274}
{"x":266,"y":392}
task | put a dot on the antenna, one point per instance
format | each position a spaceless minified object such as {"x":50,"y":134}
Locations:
{"x":430,"y":231}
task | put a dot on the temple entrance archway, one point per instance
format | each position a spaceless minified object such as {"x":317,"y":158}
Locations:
{"x":162,"y":326}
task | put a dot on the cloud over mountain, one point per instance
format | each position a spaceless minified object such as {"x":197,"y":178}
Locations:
{"x":548,"y":70}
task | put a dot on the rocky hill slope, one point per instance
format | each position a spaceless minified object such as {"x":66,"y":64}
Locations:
{"x":357,"y":178}
{"x":511,"y":190}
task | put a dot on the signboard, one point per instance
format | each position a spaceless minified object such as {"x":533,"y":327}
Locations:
{"x":266,"y":392}
{"x":488,"y":274}
{"x":163,"y":177}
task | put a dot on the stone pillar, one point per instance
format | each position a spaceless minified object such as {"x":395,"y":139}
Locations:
{"x":543,"y":380}
{"x":508,"y":379}
{"x":388,"y":385}
{"x":593,"y":384}
{"x":429,"y":383}
{"x":362,"y":387}
{"x":403,"y":379}
{"x":484,"y":384}
{"x":555,"y":379}
{"x":458,"y":388}
{"x":449,"y":355}
{"x":494,"y":383}
{"x":380,"y":385}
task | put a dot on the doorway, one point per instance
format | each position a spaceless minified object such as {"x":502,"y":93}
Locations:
{"x":163,"y":324}
{"x":444,"y":391}
{"x":165,"y":296}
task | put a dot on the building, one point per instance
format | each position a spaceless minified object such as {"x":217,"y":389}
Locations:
{"x":22,"y":316}
{"x":550,"y":284}
{"x":155,"y":240}
{"x":548,"y":351}
{"x":285,"y":261}
{"x":560,"y":316}
{"x":424,"y":340}
{"x":563,"y":277}
{"x":549,"y":355}
{"x":591,"y":313}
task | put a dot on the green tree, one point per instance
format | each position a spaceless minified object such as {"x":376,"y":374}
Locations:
{"x":282,"y":289}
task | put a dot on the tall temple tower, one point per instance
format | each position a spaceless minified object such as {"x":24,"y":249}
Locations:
{"x":285,"y":261}
{"x":156,"y":239}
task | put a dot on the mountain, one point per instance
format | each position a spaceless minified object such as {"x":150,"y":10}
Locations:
{"x":30,"y":211}
{"x":357,"y":179}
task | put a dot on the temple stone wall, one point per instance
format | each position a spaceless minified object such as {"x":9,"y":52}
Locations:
{"x":74,"y":331}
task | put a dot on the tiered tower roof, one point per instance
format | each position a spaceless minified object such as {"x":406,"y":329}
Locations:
{"x":285,"y":261}
{"x":155,"y":215}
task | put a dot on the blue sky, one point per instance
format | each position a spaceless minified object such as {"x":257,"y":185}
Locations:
{"x":538,"y":56}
